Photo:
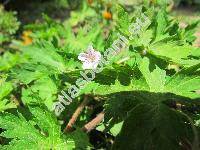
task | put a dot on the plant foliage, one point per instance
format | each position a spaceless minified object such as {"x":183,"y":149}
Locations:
{"x":148,"y":92}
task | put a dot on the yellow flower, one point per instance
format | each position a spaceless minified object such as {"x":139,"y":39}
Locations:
{"x":107,"y":15}
{"x":90,"y":2}
{"x":27,"y":40}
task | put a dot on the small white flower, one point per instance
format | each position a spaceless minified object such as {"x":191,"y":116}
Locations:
{"x":90,"y":59}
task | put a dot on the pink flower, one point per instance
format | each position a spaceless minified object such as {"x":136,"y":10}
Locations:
{"x":90,"y":59}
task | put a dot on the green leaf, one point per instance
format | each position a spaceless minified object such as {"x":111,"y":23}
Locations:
{"x":8,"y":24}
{"x":185,"y":83}
{"x":115,"y":130}
{"x":47,"y":134}
{"x":79,"y":43}
{"x":81,"y":139}
{"x":190,"y":31}
{"x":171,"y":51}
{"x":8,"y":60}
{"x":26,"y":76}
{"x":153,"y":127}
{"x":43,"y":91}
{"x":162,"y":22}
{"x":6,"y":104}
{"x":5,"y":89}
{"x":122,"y":20}
{"x":80,"y":15}
{"x":155,"y":77}
{"x":45,"y":54}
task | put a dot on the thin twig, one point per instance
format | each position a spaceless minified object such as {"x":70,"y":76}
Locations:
{"x":92,"y":124}
{"x":76,"y":114}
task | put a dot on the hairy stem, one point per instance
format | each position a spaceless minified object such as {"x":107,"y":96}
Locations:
{"x":74,"y":117}
{"x":93,"y":123}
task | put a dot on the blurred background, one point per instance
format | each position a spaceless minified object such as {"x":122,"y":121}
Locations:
{"x":15,"y":15}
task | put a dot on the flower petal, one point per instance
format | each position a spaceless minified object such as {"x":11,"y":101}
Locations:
{"x":87,"y":65}
{"x":90,"y":59}
{"x":82,"y":56}
{"x":90,"y":65}
{"x":90,"y":49}
{"x":98,"y":55}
